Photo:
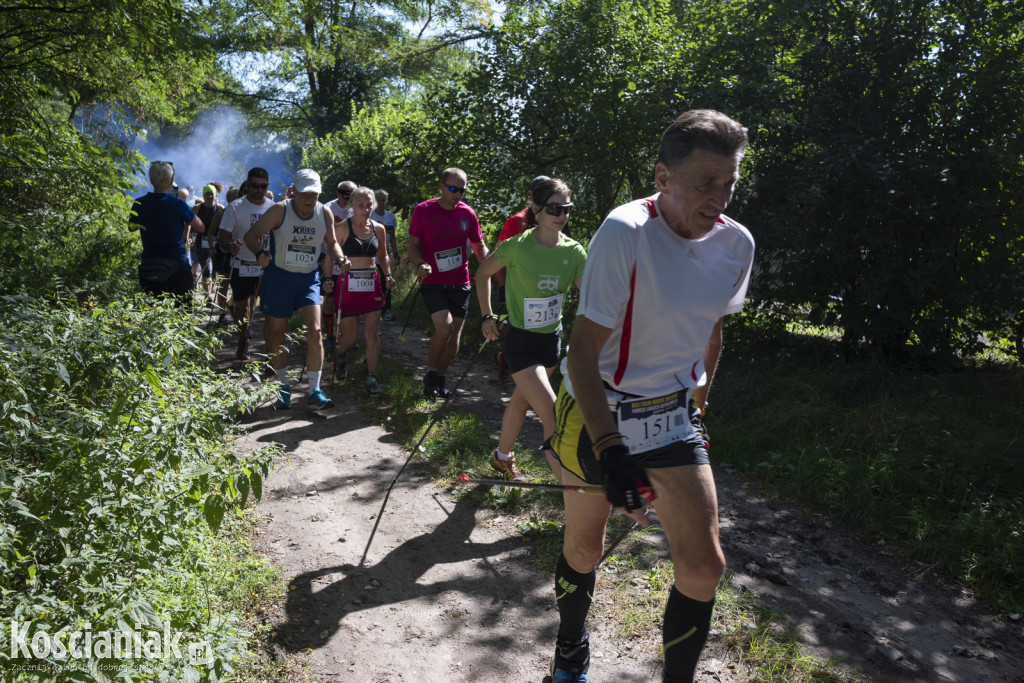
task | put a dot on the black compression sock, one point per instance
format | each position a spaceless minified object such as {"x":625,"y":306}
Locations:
{"x":687,"y":623}
{"x":573,"y":594}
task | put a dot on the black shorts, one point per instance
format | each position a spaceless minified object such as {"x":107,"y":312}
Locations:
{"x":221,"y":263}
{"x":243,"y":287}
{"x":573,"y":447}
{"x":180,"y":284}
{"x":453,"y":298}
{"x":524,"y":349}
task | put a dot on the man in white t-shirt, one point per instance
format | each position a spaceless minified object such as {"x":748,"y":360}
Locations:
{"x":390,"y":223}
{"x":661,"y":275}
{"x":341,"y":211}
{"x":239,"y":216}
{"x":339,"y":205}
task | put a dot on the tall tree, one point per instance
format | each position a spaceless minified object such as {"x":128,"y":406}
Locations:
{"x":311,"y":61}
{"x":888,"y":162}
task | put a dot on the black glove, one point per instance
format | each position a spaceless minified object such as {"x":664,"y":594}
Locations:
{"x":625,"y":483}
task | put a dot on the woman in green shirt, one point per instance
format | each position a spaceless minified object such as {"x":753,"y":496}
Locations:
{"x":541,"y":265}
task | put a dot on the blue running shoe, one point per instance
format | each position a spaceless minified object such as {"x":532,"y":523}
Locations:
{"x":284,"y":397}
{"x":317,"y":399}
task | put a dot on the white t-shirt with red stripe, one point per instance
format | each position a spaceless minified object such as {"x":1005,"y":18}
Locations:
{"x":661,"y":295}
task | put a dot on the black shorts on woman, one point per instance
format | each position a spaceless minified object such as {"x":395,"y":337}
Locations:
{"x":524,"y":349}
{"x":573,"y":447}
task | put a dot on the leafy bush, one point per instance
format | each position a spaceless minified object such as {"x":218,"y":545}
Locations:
{"x":117,"y":462}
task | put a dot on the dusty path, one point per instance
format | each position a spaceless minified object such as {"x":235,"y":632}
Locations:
{"x":446,"y":593}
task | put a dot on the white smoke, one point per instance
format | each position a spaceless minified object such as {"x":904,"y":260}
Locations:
{"x":220,"y":147}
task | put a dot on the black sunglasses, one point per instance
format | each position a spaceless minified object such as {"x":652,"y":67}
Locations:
{"x":456,"y":190}
{"x":557,"y":209}
{"x":345,"y":193}
{"x":255,"y":186}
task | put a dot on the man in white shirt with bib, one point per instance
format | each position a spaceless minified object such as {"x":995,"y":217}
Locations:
{"x":661,"y":275}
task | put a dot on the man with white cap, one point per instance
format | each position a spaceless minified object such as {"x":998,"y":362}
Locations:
{"x":298,"y":228}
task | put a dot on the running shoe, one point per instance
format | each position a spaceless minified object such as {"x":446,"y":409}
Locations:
{"x":284,"y":397}
{"x":371,"y":385}
{"x":329,"y":344}
{"x":242,"y":353}
{"x":442,"y":393}
{"x":430,"y":385}
{"x":504,"y":371}
{"x":571,"y":662}
{"x":341,"y":369}
{"x":386,"y":316}
{"x":317,"y":399}
{"x":507,"y":468}
{"x":222,"y":319}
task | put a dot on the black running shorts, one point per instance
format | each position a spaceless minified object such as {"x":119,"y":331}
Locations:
{"x":524,"y":349}
{"x":242,"y":287}
{"x":572,"y":445}
{"x":453,"y":298}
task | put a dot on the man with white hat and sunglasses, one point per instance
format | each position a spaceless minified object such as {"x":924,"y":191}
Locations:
{"x":299,"y":228}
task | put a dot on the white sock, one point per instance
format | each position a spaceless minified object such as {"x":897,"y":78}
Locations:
{"x":501,"y":456}
{"x":282,"y":375}
{"x":314,"y":380}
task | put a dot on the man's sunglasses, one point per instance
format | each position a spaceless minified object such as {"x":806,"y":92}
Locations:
{"x":557,"y":209}
{"x":345,"y":193}
{"x":256,"y":186}
{"x":456,"y":190}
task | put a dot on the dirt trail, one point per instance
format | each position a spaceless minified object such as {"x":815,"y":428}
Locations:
{"x":446,"y":592}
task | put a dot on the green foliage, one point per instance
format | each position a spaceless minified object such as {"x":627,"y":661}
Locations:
{"x":579,"y":89}
{"x":320,"y":61}
{"x":886,"y":173}
{"x":381,"y":147}
{"x":117,"y":463}
{"x":61,"y":176}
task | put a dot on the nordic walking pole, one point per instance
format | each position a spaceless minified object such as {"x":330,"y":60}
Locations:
{"x":596,"y":490}
{"x":415,"y":449}
{"x":252,"y":313}
{"x":408,"y":317}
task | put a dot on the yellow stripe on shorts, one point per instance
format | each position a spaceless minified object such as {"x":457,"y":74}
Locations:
{"x":565,"y":442}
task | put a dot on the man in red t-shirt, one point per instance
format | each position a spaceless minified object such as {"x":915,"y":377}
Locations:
{"x":441,"y":233}
{"x":515,"y":224}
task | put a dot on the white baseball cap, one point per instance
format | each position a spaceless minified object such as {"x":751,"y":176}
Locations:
{"x":307,"y":180}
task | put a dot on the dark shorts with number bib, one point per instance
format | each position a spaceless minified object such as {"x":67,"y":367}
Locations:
{"x":284,"y":292}
{"x":573,"y":447}
{"x":357,"y":292}
{"x":524,"y":349}
{"x":453,"y":298}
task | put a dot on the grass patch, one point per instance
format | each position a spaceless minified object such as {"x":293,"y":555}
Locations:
{"x":926,"y":459}
{"x":769,"y":650}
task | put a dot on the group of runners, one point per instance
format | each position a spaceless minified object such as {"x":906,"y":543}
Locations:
{"x":655,"y":283}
